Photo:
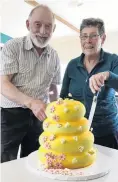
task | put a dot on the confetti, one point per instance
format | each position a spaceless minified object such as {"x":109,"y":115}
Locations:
{"x":46,"y":125}
{"x":47,"y":145}
{"x":81,"y":148}
{"x":66,"y":110}
{"x":79,"y":128}
{"x":55,"y":117}
{"x":60,"y":101}
{"x":63,"y":140}
{"x":44,"y":138}
{"x":67,"y":125}
{"x":76,"y":108}
{"x":52,"y":137}
{"x":58,"y":125}
{"x":75,"y":138}
{"x":62,"y":157}
{"x":74,"y":160}
{"x":52,"y":109}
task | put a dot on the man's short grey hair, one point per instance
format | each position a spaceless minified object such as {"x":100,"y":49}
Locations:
{"x":44,"y":7}
{"x":93,"y":22}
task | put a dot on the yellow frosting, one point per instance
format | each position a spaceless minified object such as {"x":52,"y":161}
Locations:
{"x":66,"y":141}
{"x":65,"y":110}
{"x":73,"y":161}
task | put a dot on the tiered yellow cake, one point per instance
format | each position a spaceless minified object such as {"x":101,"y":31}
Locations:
{"x":66,"y":141}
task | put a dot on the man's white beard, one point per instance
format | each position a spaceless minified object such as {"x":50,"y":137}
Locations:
{"x":39,"y":41}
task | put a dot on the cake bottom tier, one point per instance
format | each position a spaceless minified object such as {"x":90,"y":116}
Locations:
{"x":52,"y":159}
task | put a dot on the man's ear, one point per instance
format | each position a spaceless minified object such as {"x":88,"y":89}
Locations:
{"x":27,"y":24}
{"x":54,"y":27}
{"x":103,"y":38}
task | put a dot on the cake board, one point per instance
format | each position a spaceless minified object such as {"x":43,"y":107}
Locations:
{"x":99,"y":168}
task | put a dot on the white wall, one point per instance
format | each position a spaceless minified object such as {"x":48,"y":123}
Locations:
{"x":111,"y":43}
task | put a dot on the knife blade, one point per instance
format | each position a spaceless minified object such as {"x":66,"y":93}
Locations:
{"x":92,"y":110}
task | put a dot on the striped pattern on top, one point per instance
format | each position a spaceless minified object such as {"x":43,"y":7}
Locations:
{"x":32,"y":74}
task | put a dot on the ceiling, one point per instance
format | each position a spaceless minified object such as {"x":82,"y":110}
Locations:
{"x":15,"y":12}
{"x":75,"y":10}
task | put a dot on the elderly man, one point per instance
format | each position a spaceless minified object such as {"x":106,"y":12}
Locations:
{"x":30,"y":69}
{"x":95,"y":70}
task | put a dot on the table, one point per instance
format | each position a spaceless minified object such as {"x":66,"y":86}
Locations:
{"x":16,"y":171}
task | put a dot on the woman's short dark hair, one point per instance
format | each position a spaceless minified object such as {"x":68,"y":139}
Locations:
{"x":93,"y":22}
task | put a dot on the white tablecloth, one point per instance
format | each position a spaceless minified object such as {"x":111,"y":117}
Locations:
{"x":16,"y":171}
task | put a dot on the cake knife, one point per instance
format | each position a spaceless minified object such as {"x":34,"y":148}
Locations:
{"x":93,"y":107}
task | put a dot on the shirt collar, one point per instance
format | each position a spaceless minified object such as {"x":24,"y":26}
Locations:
{"x":47,"y":50}
{"x":28,"y":45}
{"x":80,"y":60}
{"x":102,"y":55}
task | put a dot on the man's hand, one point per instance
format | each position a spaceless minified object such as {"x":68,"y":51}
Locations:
{"x":38,"y":108}
{"x":97,"y":81}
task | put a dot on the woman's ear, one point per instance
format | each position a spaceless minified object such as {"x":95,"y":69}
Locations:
{"x":103,"y":38}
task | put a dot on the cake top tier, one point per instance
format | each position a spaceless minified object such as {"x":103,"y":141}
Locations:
{"x":67,"y":110}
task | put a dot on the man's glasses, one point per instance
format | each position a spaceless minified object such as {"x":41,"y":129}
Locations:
{"x":92,"y":36}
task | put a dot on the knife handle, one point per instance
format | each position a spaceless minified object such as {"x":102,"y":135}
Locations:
{"x":96,"y":94}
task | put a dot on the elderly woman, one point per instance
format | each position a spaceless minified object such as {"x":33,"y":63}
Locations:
{"x":95,"y":70}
